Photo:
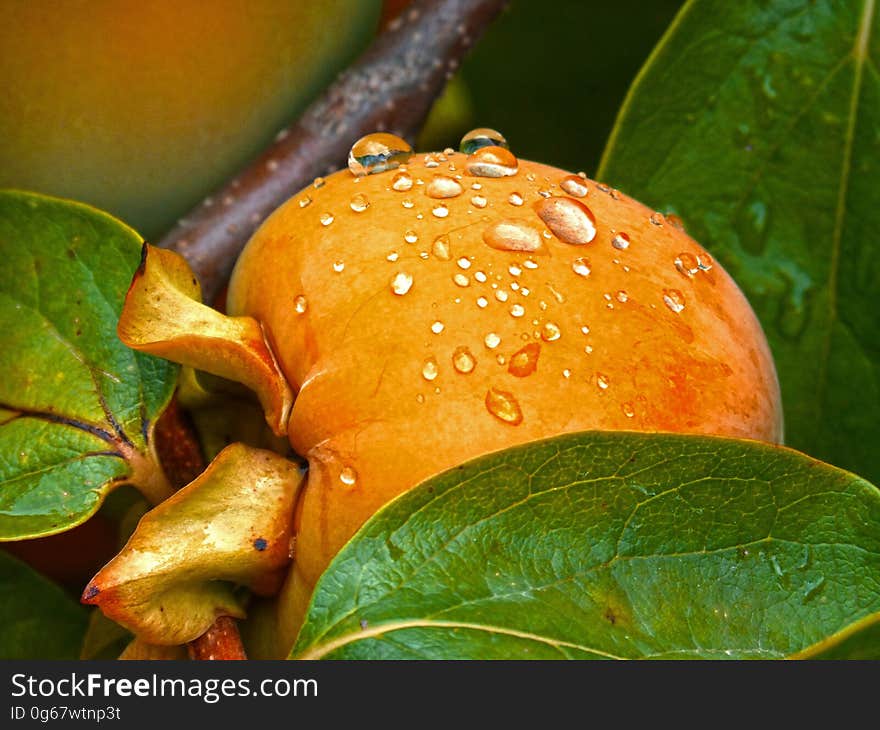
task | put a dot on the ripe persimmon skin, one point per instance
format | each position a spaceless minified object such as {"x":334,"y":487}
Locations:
{"x":381,"y":405}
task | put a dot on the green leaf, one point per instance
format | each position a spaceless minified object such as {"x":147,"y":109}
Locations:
{"x":607,"y":545}
{"x":39,"y":620}
{"x":76,"y":405}
{"x":757,"y":123}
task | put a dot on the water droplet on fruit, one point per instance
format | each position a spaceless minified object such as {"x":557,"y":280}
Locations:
{"x":492,"y":162}
{"x":481,"y":137}
{"x":705,"y":262}
{"x":402,"y":182}
{"x":491,"y":340}
{"x":376,"y":153}
{"x":657,"y":219}
{"x":501,"y":295}
{"x":503,"y":406}
{"x":300,"y":304}
{"x":570,"y":220}
{"x":429,"y":369}
{"x":686,"y":263}
{"x":530,"y":264}
{"x":602,"y":381}
{"x":517,"y":311}
{"x":304,"y":201}
{"x":515,"y":199}
{"x":482,"y":302}
{"x":620,"y":241}
{"x":674,"y":221}
{"x":514,"y":270}
{"x":401,"y":283}
{"x":581,"y":266}
{"x":437,"y":327}
{"x":573,"y":185}
{"x":326,"y":219}
{"x":359,"y":203}
{"x":480,"y":276}
{"x":407,"y":203}
{"x":440,"y":248}
{"x":440,"y":211}
{"x":318,"y":182}
{"x":628,"y":410}
{"x":410,"y":236}
{"x":673,"y":299}
{"x":463,"y":360}
{"x":339,"y":267}
{"x":461,"y":280}
{"x":464,"y":263}
{"x":393,"y":256}
{"x":525,"y":360}
{"x":511,"y":235}
{"x":348,"y":476}
{"x":443,"y":187}
{"x":478,"y":201}
{"x":622,"y":296}
{"x":550,"y":332}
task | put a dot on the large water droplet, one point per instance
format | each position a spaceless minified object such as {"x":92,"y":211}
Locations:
{"x":430,"y":369}
{"x":503,"y":405}
{"x":443,"y":186}
{"x":574,"y":185}
{"x":673,"y":299}
{"x":376,"y":153}
{"x":491,"y":340}
{"x":441,"y":248}
{"x":581,"y":266}
{"x":550,"y":332}
{"x":481,"y":137}
{"x":491,"y":162}
{"x":463,"y":360}
{"x":512,"y":235}
{"x":359,"y":203}
{"x":402,"y":182}
{"x":525,"y":360}
{"x":686,"y":263}
{"x":348,"y":476}
{"x":621,"y":241}
{"x":570,"y":220}
{"x":401,"y":283}
{"x":300,"y":304}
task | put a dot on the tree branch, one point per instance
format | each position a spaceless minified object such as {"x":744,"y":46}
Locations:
{"x":390,"y":88}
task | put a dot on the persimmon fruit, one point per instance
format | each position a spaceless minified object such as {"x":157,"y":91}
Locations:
{"x":465,"y":302}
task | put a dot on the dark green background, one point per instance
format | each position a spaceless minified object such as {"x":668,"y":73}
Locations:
{"x":551,"y":76}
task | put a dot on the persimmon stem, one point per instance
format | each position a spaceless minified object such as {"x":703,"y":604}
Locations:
{"x":390,"y":88}
{"x":220,"y":642}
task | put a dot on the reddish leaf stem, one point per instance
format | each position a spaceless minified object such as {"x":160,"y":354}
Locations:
{"x":391,"y":87}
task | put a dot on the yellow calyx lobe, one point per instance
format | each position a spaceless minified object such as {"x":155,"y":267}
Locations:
{"x":163,"y":315}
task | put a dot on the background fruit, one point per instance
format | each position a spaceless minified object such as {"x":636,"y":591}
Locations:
{"x":141,"y":108}
{"x":416,"y":346}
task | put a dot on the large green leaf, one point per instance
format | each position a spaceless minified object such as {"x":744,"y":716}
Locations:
{"x":76,"y":405}
{"x":38,"y":620}
{"x":605,"y":545}
{"x":758,"y":122}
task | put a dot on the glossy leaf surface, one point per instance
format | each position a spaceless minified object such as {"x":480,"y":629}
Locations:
{"x":607,"y":545}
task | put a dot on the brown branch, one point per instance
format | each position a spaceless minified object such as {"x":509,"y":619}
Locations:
{"x":180,"y":454}
{"x":390,"y":88}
